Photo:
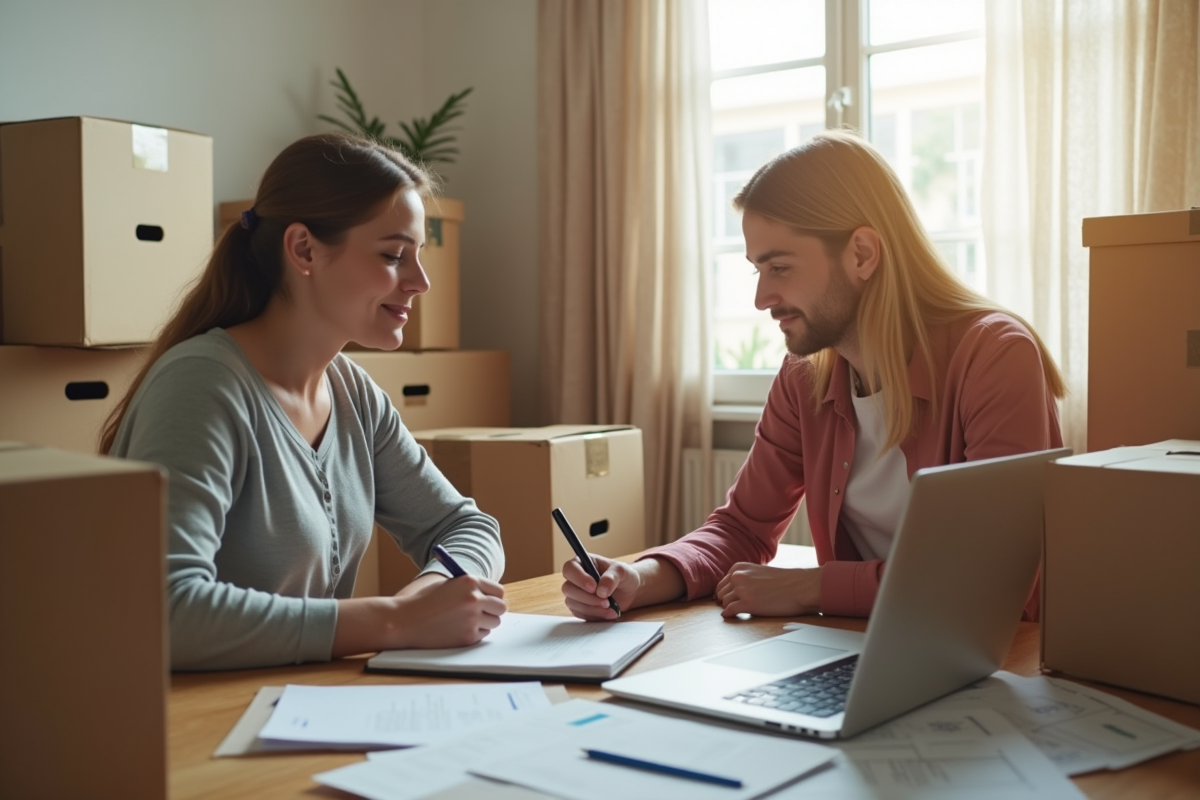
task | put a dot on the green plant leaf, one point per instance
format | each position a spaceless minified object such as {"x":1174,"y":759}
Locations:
{"x":426,"y":141}
{"x":422,"y":133}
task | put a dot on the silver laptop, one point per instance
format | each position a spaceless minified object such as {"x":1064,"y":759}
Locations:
{"x":961,"y":567}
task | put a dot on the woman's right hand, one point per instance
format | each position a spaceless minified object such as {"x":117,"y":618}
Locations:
{"x":446,"y":613}
{"x":589,"y":601}
{"x":450,"y":613}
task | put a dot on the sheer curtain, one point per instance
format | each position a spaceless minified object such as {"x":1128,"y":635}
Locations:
{"x":1091,"y":110}
{"x":624,"y":160}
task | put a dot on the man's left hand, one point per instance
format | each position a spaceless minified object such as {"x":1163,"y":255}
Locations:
{"x":769,"y":591}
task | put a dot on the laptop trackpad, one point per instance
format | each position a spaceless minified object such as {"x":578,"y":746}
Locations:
{"x":775,"y":656}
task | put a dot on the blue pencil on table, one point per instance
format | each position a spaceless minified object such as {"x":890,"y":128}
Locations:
{"x":662,"y":769}
{"x":443,"y":556}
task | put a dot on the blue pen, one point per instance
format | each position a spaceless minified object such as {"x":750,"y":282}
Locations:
{"x":447,"y":561}
{"x":662,"y":769}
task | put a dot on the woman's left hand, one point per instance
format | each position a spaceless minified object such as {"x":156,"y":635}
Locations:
{"x":769,"y":591}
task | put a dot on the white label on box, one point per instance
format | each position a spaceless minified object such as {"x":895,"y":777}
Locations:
{"x":149,"y":148}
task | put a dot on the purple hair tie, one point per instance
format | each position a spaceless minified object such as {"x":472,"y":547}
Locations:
{"x":249,"y":219}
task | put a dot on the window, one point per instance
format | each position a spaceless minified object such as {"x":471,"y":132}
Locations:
{"x":908,"y":73}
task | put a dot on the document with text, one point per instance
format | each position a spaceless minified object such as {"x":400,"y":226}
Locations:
{"x":395,"y":716}
{"x":544,"y":751}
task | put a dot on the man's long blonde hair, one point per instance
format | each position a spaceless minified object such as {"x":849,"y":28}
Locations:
{"x":833,"y":184}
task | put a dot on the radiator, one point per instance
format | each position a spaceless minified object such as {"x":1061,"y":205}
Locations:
{"x":698,"y":501}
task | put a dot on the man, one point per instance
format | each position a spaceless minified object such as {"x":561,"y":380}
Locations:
{"x":893,"y":365}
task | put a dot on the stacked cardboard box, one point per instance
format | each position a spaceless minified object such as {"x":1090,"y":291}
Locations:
{"x":594,"y":473}
{"x":103,"y":224}
{"x":1144,"y":328}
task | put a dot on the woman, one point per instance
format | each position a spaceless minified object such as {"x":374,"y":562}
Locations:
{"x":281,"y":452}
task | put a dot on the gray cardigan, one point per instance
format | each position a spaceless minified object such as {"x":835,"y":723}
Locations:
{"x":264,"y":533}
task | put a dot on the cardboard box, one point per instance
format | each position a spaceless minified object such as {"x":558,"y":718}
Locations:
{"x":229,"y":213}
{"x":1144,"y":329}
{"x":593,"y":472}
{"x":61,"y":396}
{"x":430,"y":390}
{"x":1120,"y":598}
{"x":102,"y":225}
{"x":434,"y":322}
{"x":83,"y":700}
{"x":442,"y":389}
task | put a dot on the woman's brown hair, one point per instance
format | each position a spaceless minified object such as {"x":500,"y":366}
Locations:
{"x":330,"y":183}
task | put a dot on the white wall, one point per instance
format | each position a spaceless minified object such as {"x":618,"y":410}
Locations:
{"x":492,"y":46}
{"x":254,"y":75}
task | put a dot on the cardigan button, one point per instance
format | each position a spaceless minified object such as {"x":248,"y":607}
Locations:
{"x":837,"y":491}
{"x":845,"y":465}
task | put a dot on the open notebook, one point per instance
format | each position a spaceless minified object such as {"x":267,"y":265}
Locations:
{"x":533,"y":645}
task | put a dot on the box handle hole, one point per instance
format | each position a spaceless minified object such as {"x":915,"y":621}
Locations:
{"x":416,"y":390}
{"x":150,"y":233}
{"x":87,"y":390}
{"x":598,"y":528}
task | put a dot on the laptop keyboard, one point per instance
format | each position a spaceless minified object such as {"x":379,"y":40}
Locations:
{"x":819,"y":692}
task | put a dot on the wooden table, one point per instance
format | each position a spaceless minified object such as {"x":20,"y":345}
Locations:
{"x":204,"y":706}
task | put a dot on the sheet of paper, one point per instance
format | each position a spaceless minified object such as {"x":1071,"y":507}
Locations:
{"x":543,"y":751}
{"x":1078,"y":728}
{"x":395,"y":716}
{"x":534,"y":642}
{"x":935,"y":754}
{"x":555,"y":692}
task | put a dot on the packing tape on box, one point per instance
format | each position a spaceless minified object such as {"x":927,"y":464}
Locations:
{"x":595,"y":450}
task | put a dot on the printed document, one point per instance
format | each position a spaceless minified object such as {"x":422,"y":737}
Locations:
{"x":1080,"y":729}
{"x":930,"y":754}
{"x":395,"y":716}
{"x":543,"y":751}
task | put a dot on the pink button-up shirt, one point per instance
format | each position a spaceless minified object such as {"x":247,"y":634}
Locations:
{"x":993,"y":401}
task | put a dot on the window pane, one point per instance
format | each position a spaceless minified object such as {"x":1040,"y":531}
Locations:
{"x":746,"y":151}
{"x":925,"y":119}
{"x":755,"y":118}
{"x":736,"y":157}
{"x":900,"y":20}
{"x":750,"y":33}
{"x":773,"y":89}
{"x":745,"y":337}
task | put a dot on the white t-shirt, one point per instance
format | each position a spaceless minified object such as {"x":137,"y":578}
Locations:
{"x":878,"y":484}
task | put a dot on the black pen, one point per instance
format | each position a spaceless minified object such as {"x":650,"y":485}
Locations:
{"x":447,"y":561}
{"x":589,"y":566}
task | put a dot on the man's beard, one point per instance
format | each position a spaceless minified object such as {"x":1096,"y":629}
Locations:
{"x":831,"y":323}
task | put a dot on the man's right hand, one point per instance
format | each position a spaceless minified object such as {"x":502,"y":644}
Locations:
{"x":643,"y":583}
{"x":587,"y":600}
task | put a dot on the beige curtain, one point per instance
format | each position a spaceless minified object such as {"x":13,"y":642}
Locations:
{"x":624,"y":160}
{"x":1091,"y":109}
